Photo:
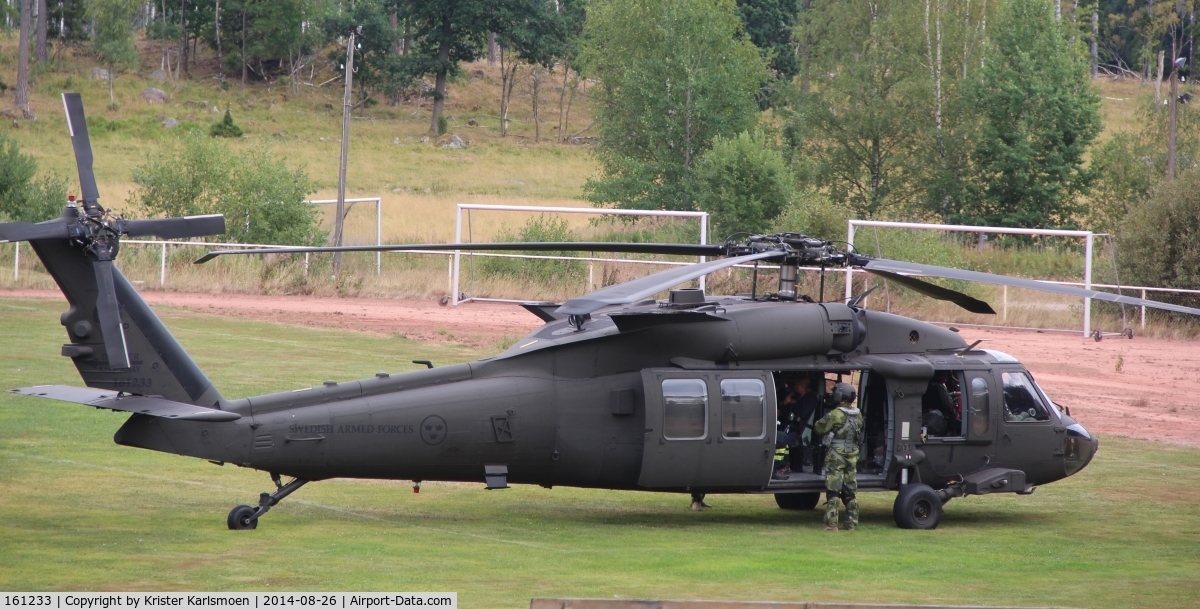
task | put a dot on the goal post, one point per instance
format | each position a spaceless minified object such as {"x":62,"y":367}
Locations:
{"x":1087,"y":237}
{"x":598,"y":211}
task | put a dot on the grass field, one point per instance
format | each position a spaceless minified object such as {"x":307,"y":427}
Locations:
{"x":81,"y":513}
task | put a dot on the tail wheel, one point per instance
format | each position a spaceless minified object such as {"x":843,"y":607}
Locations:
{"x":241,"y":518}
{"x":917,"y":507}
{"x":797,"y":501}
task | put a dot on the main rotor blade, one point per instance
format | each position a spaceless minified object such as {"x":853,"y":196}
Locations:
{"x":177,"y":228}
{"x":911,"y":268}
{"x":633,"y":291}
{"x":678,"y":249}
{"x":973,"y":305}
{"x":24,"y":231}
{"x":110,"y":316}
{"x":77,"y":125}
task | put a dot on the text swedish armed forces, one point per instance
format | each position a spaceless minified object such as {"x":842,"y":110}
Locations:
{"x":351,"y":429}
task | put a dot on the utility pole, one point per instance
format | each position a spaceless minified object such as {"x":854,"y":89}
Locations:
{"x":1174,"y":110}
{"x":347,"y":106}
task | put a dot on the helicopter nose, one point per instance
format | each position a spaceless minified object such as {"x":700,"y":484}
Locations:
{"x":1079,"y":448}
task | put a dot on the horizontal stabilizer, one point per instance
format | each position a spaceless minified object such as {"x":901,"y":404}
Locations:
{"x":137,"y":404}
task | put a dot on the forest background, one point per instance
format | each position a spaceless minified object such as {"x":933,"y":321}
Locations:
{"x":769,"y":114}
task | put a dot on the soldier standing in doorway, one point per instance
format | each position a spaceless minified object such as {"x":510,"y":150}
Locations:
{"x":842,"y":428}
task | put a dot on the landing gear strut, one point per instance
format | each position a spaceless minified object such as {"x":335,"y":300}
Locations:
{"x":244,"y":517}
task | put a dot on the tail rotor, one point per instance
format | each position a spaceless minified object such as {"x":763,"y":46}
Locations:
{"x":96,"y":233}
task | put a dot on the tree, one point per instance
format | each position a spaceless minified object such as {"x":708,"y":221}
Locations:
{"x":1157,"y":240}
{"x":545,"y":35}
{"x":674,"y":75}
{"x":113,"y":41}
{"x":260,"y":38}
{"x":68,"y":22}
{"x":769,"y":24}
{"x":443,"y":35}
{"x":42,"y":25}
{"x":1038,"y":114}
{"x":744,"y":183}
{"x":225,"y":128}
{"x":855,"y":133}
{"x":376,"y":63}
{"x":1130,"y":164}
{"x":22,"y":92}
{"x":263,"y":201}
{"x":22,"y":197}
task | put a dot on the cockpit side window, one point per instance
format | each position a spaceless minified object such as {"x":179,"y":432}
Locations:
{"x":1021,"y":401}
{"x":979,"y":406}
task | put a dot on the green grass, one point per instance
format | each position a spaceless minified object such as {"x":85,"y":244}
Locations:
{"x":81,"y":513}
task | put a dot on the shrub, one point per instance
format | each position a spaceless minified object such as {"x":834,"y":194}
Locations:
{"x":225,"y":128}
{"x":1157,"y":240}
{"x":23,"y":198}
{"x":813,"y":214}
{"x":263,"y":201}
{"x":744,"y":183}
{"x":540,"y":228}
{"x":443,"y":126}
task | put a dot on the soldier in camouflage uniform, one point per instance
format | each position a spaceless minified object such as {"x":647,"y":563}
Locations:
{"x":843,"y":431}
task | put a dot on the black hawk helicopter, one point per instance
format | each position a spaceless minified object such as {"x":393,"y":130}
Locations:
{"x":617,"y":390}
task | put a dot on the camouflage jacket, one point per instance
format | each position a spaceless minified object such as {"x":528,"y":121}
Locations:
{"x":844,"y":425}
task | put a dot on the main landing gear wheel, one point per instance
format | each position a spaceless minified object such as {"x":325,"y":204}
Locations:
{"x":242,"y":518}
{"x":917,"y":507}
{"x":797,"y":501}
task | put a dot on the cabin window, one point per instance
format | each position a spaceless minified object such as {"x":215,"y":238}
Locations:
{"x":941,"y":405}
{"x":1021,"y":402}
{"x":685,"y":409}
{"x":742,"y":408}
{"x":979,"y":406}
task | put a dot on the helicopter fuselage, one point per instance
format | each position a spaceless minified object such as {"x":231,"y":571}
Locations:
{"x":656,"y":397}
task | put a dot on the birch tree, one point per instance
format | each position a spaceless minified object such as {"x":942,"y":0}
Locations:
{"x":674,"y":75}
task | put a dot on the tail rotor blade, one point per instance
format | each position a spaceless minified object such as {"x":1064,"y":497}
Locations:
{"x":177,"y":228}
{"x":77,"y":124}
{"x":110,"y":316}
{"x":24,"y":231}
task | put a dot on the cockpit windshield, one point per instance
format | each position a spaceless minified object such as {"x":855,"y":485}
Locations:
{"x":1022,"y":399}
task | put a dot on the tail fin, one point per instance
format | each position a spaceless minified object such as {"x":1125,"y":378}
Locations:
{"x":158,"y":365}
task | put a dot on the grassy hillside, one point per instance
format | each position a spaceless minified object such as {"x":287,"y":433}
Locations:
{"x":419,"y":181}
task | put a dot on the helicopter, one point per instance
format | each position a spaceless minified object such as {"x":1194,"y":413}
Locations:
{"x":616,"y":390}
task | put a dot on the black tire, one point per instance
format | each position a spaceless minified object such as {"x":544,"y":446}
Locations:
{"x":797,"y":501}
{"x":241,"y":518}
{"x":917,"y":507}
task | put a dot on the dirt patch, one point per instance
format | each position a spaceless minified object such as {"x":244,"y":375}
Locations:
{"x":1143,"y":388}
